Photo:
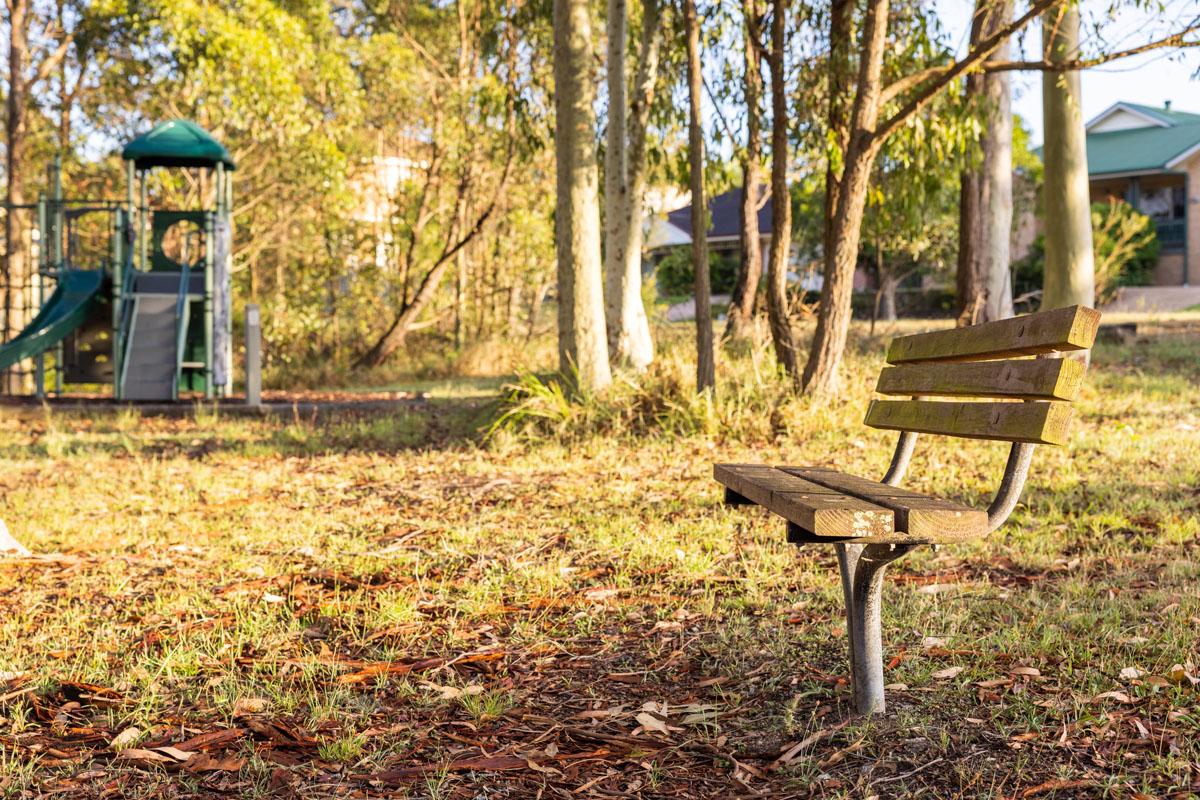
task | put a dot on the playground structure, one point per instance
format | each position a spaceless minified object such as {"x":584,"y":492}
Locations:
{"x":148,"y":312}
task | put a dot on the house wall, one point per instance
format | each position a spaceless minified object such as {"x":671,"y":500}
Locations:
{"x":1169,"y":270}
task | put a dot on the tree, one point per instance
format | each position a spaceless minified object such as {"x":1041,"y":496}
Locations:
{"x":745,"y":291}
{"x":986,"y":204}
{"x":582,"y":341}
{"x":705,"y":368}
{"x":29,"y":63}
{"x":629,"y":338}
{"x":876,"y":112}
{"x":1070,"y":264}
{"x":782,"y":336}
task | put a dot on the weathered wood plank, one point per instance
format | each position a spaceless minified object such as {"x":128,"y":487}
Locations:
{"x":919,"y":516}
{"x":823,"y":511}
{"x":1032,"y":422}
{"x":1027,"y":379}
{"x":1062,"y":329}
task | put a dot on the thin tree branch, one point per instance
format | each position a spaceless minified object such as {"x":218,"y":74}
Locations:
{"x":935,"y":84}
{"x":1175,"y":40}
{"x":52,"y":59}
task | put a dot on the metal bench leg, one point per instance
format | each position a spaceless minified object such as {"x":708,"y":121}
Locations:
{"x":862,"y":568}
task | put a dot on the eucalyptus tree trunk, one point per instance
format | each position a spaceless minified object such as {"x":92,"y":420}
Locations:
{"x":16,"y":263}
{"x":745,"y":290}
{"x":1070,"y":266}
{"x":582,"y":345}
{"x":629,"y":339}
{"x":998,"y":175}
{"x":781,"y":207}
{"x":985,"y":211}
{"x":841,"y":244}
{"x":705,"y":368}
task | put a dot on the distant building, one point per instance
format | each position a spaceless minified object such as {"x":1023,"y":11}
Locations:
{"x":724,"y":233}
{"x":1150,"y":157}
{"x":375,"y":184}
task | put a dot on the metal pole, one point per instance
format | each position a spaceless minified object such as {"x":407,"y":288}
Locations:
{"x":208,"y":307}
{"x":39,"y":377}
{"x":143,"y":223}
{"x":59,"y":231}
{"x":118,"y":275}
{"x":253,"y":356}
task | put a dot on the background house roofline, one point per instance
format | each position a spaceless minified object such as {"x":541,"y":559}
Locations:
{"x":1123,"y":107}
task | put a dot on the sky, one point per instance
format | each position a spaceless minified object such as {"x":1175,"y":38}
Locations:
{"x":1149,"y":79}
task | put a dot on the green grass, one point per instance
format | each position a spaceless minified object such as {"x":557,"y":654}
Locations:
{"x":575,"y":569}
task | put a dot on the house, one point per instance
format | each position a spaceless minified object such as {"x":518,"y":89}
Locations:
{"x":1150,"y":157}
{"x":674,"y":229}
{"x":725,"y":227}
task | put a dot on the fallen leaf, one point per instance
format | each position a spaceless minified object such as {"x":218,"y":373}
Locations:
{"x":1131,"y":673}
{"x":181,"y":756}
{"x":125,"y":738}
{"x":1178,"y":674}
{"x":946,"y":674}
{"x":1029,"y":672}
{"x":1120,"y":697}
{"x":370,"y":671}
{"x":651,"y":722}
{"x":246,"y":706}
{"x":202,"y":762}
{"x":625,"y":677}
{"x":139,"y":755}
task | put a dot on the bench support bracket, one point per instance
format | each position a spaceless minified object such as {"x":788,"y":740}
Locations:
{"x":862,"y":568}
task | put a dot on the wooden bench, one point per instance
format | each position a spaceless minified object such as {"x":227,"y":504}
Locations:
{"x":1026,"y":401}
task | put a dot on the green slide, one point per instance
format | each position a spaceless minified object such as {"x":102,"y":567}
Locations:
{"x":67,"y":309}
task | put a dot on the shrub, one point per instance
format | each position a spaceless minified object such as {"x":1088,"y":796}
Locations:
{"x":1124,"y":243}
{"x":675,"y":275}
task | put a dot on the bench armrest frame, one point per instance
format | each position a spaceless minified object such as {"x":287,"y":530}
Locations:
{"x":1016,"y":472}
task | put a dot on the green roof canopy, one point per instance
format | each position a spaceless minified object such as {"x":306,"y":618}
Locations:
{"x":1139,"y":149}
{"x":178,"y":143}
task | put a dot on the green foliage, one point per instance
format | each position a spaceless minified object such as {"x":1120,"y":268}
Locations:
{"x":1124,"y":244}
{"x":675,"y":275}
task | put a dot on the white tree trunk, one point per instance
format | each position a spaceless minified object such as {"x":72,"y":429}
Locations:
{"x":888,"y":289}
{"x":582,"y":345}
{"x":997,"y":175}
{"x":1070,"y":267}
{"x":629,"y":339}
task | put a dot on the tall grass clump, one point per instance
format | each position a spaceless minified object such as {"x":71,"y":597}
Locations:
{"x":753,"y":399}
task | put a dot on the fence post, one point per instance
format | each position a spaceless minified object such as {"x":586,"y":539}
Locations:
{"x":253,"y":356}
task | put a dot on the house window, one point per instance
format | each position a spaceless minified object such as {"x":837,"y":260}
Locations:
{"x":1157,"y":203}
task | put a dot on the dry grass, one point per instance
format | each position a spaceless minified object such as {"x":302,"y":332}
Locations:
{"x":390,"y":606}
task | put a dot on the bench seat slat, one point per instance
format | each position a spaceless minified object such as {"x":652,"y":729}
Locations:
{"x":1062,"y":329}
{"x":818,"y":509}
{"x":920,"y":516}
{"x":1032,"y":422}
{"x":1026,"y":379}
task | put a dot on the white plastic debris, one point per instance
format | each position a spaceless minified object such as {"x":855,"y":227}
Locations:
{"x":8,"y":545}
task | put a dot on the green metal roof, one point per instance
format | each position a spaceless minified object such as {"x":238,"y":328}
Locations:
{"x":1141,"y":149}
{"x":177,"y":143}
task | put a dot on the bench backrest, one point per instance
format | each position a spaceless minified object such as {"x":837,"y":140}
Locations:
{"x":1030,"y":397}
